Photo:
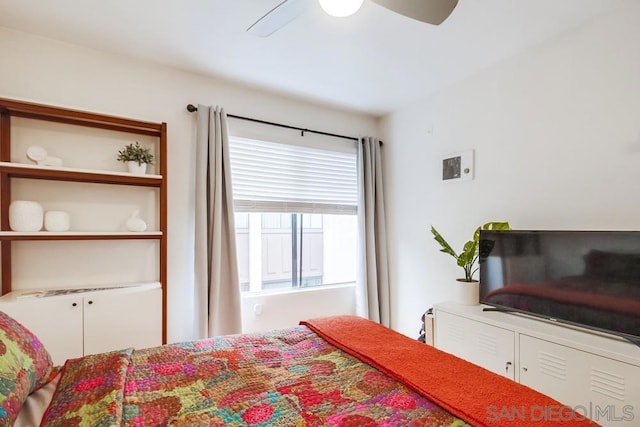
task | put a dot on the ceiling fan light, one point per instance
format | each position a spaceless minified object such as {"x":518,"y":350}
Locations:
{"x":340,"y":8}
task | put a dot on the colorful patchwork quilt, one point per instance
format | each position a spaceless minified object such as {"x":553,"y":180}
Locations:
{"x":335,"y":371}
{"x":289,"y":377}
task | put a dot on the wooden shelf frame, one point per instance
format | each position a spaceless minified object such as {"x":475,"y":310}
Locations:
{"x":13,"y":108}
{"x":30,"y":110}
{"x":79,"y":235}
{"x":19,"y":170}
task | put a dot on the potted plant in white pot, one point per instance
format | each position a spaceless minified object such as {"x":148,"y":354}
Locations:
{"x":468,"y":288}
{"x":136,"y":157}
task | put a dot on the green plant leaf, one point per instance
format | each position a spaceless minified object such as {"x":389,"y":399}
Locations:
{"x":469,"y":255}
{"x":135,"y":153}
{"x":446,"y":248}
{"x":497,"y":226}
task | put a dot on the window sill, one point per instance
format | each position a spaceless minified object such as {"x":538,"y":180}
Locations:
{"x":297,"y":290}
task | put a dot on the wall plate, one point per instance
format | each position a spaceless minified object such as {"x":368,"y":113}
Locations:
{"x":458,"y":166}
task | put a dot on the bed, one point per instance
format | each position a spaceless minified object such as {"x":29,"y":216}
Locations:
{"x":335,"y":371}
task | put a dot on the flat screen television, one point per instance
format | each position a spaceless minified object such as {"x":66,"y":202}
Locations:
{"x":585,"y":278}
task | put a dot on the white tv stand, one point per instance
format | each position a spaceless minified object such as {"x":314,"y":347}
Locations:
{"x":596,"y":374}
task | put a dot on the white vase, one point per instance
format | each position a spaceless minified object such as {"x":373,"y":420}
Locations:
{"x":137,"y":169}
{"x":56,"y":221}
{"x":25,"y":215}
{"x":136,"y":224}
{"x":467,"y":293}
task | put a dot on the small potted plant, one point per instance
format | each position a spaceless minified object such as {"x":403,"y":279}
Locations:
{"x":136,"y":157}
{"x":466,"y":259}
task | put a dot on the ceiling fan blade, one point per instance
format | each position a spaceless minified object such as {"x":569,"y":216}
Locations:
{"x":278,"y":17}
{"x":430,"y":11}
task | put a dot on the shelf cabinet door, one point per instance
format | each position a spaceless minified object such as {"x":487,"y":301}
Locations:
{"x":488,"y":346}
{"x":57,"y":322}
{"x":117,"y":320}
{"x":606,"y":390}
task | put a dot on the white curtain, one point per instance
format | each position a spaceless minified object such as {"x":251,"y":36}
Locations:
{"x":217,"y":290}
{"x":372,"y":290}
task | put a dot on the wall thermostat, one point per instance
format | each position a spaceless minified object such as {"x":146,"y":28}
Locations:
{"x":458,"y":166}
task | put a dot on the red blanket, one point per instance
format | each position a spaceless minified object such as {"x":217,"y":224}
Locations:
{"x":476,"y":395}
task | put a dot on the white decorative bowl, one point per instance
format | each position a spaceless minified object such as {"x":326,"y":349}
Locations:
{"x":25,"y":215}
{"x":36,"y":153}
{"x":56,"y":221}
{"x":136,"y":224}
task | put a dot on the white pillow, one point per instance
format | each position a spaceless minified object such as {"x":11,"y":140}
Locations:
{"x":34,"y":407}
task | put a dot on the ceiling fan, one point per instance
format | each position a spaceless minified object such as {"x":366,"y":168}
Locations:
{"x":430,"y":11}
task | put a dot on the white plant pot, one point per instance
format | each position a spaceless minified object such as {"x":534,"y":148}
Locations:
{"x":467,"y":293}
{"x":56,"y":221}
{"x":137,"y":169}
{"x":25,"y":215}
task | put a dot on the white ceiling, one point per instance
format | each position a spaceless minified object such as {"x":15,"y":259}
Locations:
{"x":375,"y":61}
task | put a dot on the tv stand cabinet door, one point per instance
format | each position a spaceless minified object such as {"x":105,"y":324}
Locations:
{"x":485,"y":345}
{"x":606,"y":390}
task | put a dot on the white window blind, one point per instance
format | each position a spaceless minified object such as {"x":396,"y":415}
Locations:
{"x":272,"y":177}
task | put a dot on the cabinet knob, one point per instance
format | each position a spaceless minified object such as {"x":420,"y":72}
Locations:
{"x":75,"y":304}
{"x":90,"y":302}
{"x":524,"y":368}
{"x":506,"y":367}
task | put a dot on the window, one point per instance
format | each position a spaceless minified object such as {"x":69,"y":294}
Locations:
{"x":296,"y":224}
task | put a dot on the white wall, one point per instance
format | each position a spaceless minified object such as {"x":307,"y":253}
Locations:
{"x":262,"y":312}
{"x":556,"y":134}
{"x":44,"y":71}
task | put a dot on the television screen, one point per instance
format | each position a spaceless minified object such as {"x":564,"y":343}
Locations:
{"x":585,"y":278}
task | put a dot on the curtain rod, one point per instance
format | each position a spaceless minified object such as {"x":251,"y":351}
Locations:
{"x":192,"y":108}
